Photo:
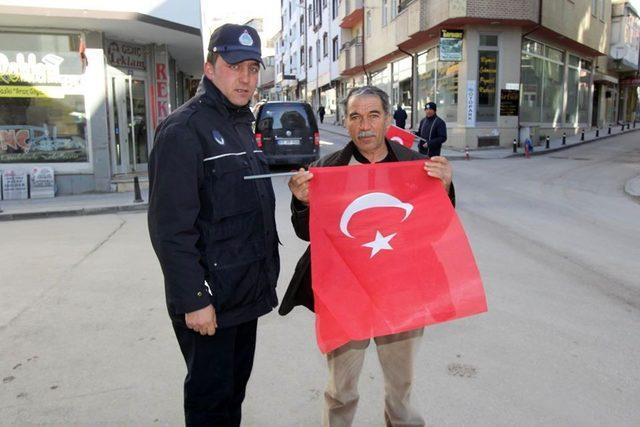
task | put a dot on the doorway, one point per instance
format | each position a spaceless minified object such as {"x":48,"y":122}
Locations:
{"x":128,"y":118}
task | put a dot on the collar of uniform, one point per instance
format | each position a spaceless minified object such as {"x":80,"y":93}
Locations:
{"x":211,"y":95}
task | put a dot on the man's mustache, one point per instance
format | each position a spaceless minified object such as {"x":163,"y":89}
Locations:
{"x":366,"y":134}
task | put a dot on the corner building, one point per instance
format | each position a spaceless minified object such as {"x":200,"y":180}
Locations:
{"x":534,"y":58}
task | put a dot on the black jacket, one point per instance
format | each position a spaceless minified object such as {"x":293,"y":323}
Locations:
{"x":400,"y":117}
{"x":299,"y":291}
{"x":433,"y":131}
{"x":210,"y":228}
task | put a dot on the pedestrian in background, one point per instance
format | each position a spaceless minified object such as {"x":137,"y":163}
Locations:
{"x":321,"y":112}
{"x":432,"y":130}
{"x":400,"y":117}
{"x":213,"y":231}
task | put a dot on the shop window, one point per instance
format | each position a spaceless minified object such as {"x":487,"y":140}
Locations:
{"x":541,"y":90}
{"x":42,"y":109}
{"x":447,"y":90}
{"x":487,"y":85}
{"x":578,"y":90}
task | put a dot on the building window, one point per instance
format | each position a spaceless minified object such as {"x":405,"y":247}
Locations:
{"x":334,"y":9}
{"x":325,"y":45}
{"x":487,"y":110}
{"x":310,"y":57}
{"x":336,"y":49}
{"x":438,"y":82}
{"x":43,"y":118}
{"x":369,"y":23}
{"x":324,"y":4}
{"x":302,"y":56}
{"x":310,"y":15}
{"x":302,"y":25}
{"x":541,"y":88}
{"x":318,"y":50}
{"x":394,"y":8}
{"x":578,"y":84}
{"x":385,"y":8}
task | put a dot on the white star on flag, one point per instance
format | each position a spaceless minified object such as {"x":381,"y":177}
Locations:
{"x":381,"y":242}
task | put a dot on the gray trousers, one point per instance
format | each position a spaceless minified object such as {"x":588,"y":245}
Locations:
{"x":396,"y":354}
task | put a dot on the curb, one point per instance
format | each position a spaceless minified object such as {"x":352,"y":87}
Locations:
{"x":632,"y":187}
{"x":73,"y":212}
{"x":575,"y":144}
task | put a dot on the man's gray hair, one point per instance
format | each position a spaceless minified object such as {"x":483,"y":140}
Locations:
{"x":368,"y":91}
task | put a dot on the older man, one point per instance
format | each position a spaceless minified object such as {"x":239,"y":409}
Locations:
{"x":214,"y":233}
{"x":368,"y":116}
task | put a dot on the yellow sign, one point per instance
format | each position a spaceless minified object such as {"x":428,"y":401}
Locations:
{"x":31,"y":92}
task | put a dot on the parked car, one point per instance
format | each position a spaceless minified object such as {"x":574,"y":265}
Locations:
{"x":287,"y":133}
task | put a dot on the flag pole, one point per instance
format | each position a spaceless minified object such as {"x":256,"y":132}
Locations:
{"x":270,"y":175}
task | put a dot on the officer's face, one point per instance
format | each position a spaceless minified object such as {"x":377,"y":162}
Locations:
{"x":429,"y":112}
{"x":367,"y":122}
{"x":237,"y":82}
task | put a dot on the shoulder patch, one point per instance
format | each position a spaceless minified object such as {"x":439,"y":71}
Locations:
{"x":217,"y":137}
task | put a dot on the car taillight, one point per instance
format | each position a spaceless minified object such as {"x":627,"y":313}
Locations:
{"x":259,"y":140}
{"x":316,"y":138}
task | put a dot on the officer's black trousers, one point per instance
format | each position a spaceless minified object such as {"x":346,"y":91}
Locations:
{"x":218,"y":369}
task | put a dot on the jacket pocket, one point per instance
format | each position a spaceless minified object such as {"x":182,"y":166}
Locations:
{"x":231,"y":194}
{"x":235,"y":269}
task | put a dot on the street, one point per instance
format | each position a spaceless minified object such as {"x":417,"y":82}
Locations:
{"x":85,"y":338}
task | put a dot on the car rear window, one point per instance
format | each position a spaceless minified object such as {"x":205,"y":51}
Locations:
{"x":287,"y":117}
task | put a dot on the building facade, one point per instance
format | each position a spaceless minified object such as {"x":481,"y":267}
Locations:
{"x":308,"y":54}
{"x":84,"y":89}
{"x":497,"y":70}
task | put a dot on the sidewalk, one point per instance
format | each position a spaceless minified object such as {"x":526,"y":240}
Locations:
{"x":555,"y":144}
{"x":79,"y":204}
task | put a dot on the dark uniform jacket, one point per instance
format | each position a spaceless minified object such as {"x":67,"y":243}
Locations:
{"x":400,"y":117}
{"x":299,"y":291}
{"x":434,"y":132}
{"x":214,"y":233}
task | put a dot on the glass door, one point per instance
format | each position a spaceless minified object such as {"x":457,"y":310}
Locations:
{"x":128,"y":118}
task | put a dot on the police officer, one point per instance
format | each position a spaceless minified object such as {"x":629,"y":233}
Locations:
{"x":214,"y":233}
{"x":432,"y":131}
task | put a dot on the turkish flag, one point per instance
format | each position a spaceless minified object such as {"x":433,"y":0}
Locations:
{"x":388,"y":253}
{"x":394,"y":133}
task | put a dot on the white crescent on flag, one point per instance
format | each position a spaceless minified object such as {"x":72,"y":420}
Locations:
{"x":368,"y":201}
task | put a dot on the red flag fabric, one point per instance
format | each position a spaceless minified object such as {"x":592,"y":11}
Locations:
{"x":394,"y":133}
{"x":388,"y":253}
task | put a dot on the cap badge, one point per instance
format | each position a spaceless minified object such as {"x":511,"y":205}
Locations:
{"x":245,"y":39}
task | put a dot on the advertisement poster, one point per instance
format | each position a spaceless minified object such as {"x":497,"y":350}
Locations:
{"x":42,"y":183}
{"x":43,"y":117}
{"x":14,"y":185}
{"x":451,"y":45}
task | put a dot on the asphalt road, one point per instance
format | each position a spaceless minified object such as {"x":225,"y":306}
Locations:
{"x":85,"y":339}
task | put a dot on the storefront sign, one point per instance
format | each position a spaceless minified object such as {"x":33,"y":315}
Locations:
{"x":126,"y":55}
{"x":31,"y":92}
{"x":487,"y":73}
{"x":509,"y":102}
{"x":42,"y":183}
{"x":162,"y":91}
{"x":27,"y":76}
{"x":451,"y":45}
{"x":471,"y":103}
{"x":14,"y":185}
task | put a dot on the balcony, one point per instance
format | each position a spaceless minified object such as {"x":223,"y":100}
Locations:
{"x":351,"y":57}
{"x":352,"y":13}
